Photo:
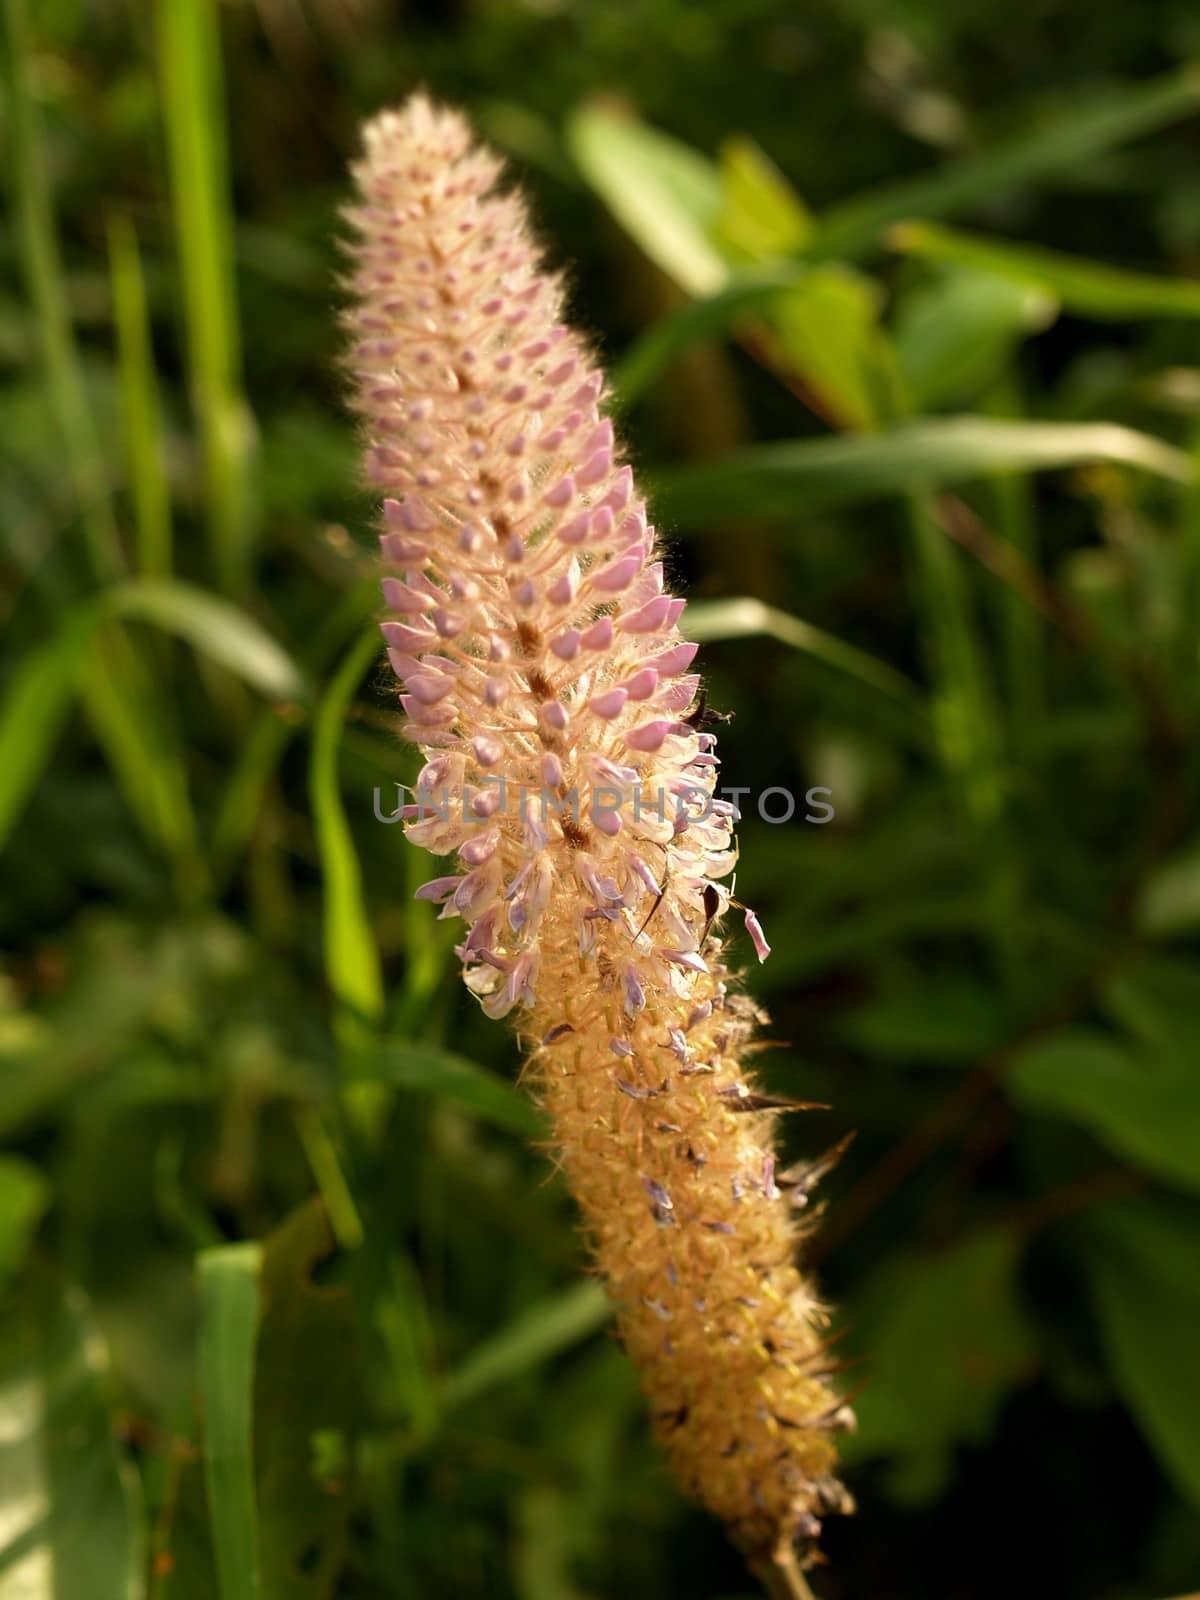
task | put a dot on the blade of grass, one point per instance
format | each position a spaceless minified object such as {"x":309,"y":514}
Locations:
{"x":957,"y":331}
{"x":134,"y":728}
{"x":141,"y":410}
{"x":541,"y":1331}
{"x":121,"y":699}
{"x":964,"y":715}
{"x":351,"y":957}
{"x":1023,"y":631}
{"x":44,"y":282}
{"x":1074,"y":138}
{"x":326,"y":1167}
{"x":699,"y":319}
{"x":70,"y":1504}
{"x":216,"y":628}
{"x":192,"y":101}
{"x":229,"y":1311}
{"x":1088,"y":288}
{"x":746,"y":618}
{"x":784,"y":480}
{"x":967,"y":725}
{"x":264,"y":745}
{"x":424,"y":1069}
{"x":36,"y":702}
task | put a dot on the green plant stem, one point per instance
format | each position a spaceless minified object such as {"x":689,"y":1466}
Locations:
{"x":140,"y":403}
{"x":47,"y":291}
{"x":190,"y":65}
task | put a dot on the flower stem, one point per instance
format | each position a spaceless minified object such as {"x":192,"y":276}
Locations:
{"x":781,"y":1577}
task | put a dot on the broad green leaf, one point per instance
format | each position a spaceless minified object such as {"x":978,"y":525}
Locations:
{"x":1157,"y":1001}
{"x":1169,"y":900}
{"x":681,"y":210}
{"x":219,"y":629}
{"x":1088,"y":287}
{"x":541,"y":1331}
{"x":786,"y":480}
{"x":1043,"y":147}
{"x":664,"y":194}
{"x":934,"y":1018}
{"x":229,"y":1312}
{"x":424,"y":1069}
{"x":304,"y":1403}
{"x":1143,"y":1104}
{"x":761,"y":216}
{"x":747,"y":617}
{"x":1142,"y":1256}
{"x":956,"y":334}
{"x":828,"y":332}
{"x":351,"y":957}
{"x":947,"y":1340}
{"x":70,"y":1505}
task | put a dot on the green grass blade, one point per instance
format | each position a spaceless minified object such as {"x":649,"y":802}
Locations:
{"x":964,"y":715}
{"x":127,"y":716}
{"x":541,"y":1331}
{"x":24,"y":1198}
{"x":1088,"y":288}
{"x":966,"y":723}
{"x":264,"y":745}
{"x":217,"y":628}
{"x":190,"y":63}
{"x":141,"y":410}
{"x":957,"y":332}
{"x":351,"y":957}
{"x":70,"y":1506}
{"x":1022,"y":628}
{"x":746,"y":617}
{"x":36,"y":702}
{"x":332,"y":1184}
{"x":42,"y":268}
{"x":1075,"y":138}
{"x":699,"y":319}
{"x":229,"y":1310}
{"x":782,"y":480}
{"x":424,"y":1069}
{"x":133,"y":726}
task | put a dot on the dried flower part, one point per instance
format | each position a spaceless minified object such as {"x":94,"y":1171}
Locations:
{"x":545,"y":678}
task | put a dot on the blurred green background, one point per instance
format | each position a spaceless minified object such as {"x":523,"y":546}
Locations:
{"x":901,"y":306}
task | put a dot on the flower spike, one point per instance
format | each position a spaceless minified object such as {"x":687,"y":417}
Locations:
{"x":544,"y":676}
